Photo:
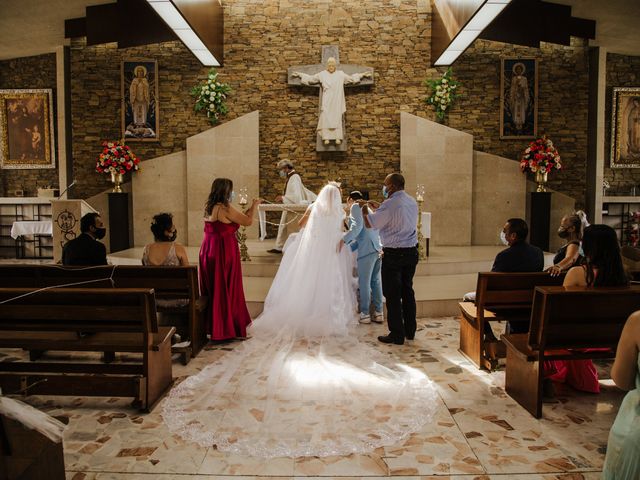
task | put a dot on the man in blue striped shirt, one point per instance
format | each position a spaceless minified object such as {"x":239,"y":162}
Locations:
{"x":396,"y":219}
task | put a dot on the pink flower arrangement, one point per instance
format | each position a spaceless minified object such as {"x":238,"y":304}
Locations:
{"x":540,"y":156}
{"x":116,"y":158}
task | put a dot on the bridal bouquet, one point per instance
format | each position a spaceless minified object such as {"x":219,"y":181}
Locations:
{"x":443,"y":93}
{"x":116,"y":158}
{"x":540,"y":156}
{"x":210,"y":97}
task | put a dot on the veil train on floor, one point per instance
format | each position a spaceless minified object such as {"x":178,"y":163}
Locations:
{"x":303,"y":384}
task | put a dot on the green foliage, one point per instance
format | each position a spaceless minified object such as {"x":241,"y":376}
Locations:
{"x":443,"y":92}
{"x":210,"y":97}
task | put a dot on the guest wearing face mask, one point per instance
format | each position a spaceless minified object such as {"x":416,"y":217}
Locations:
{"x":220,"y":267}
{"x":86,"y":249}
{"x":164,"y":250}
{"x":396,"y":219}
{"x":571,"y":228}
{"x":520,"y":256}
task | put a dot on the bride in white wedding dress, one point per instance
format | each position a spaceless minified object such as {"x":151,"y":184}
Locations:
{"x":303,"y":385}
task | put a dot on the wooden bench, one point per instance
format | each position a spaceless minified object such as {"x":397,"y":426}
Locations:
{"x":111,"y":320}
{"x":499,"y":296}
{"x":169,"y":284}
{"x":564,"y":322}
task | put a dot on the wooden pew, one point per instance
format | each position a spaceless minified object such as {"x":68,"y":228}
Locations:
{"x":499,"y":296}
{"x":111,"y":320}
{"x":563,"y":320}
{"x":169,"y":283}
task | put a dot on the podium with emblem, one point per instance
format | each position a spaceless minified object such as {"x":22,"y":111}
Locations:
{"x":65,"y":216}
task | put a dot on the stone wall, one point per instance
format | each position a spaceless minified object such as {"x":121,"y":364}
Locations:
{"x":29,"y":72}
{"x":263,"y":39}
{"x":563,"y":82}
{"x":622,"y":71}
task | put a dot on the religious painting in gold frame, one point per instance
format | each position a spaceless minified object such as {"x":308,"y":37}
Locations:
{"x":139,"y":92}
{"x":625,"y":127}
{"x":518,"y":98}
{"x":26,"y":129}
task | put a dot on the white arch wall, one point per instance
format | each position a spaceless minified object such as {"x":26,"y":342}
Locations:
{"x":441,"y":158}
{"x":180,"y":182}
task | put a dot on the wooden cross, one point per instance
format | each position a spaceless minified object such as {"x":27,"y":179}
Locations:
{"x":327,"y":52}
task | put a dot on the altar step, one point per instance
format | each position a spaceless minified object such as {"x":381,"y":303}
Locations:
{"x":441,"y":261}
{"x":439,"y":283}
{"x":436,"y":295}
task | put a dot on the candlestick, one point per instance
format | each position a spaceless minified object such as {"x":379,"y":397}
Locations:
{"x":421,"y":249}
{"x":242,"y":234}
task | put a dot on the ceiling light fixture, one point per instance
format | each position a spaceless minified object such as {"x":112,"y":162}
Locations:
{"x":482,"y":17}
{"x":176,"y":21}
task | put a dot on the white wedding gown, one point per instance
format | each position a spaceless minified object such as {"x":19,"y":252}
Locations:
{"x":303,"y":385}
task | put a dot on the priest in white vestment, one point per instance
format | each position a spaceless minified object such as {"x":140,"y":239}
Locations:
{"x":294,"y":193}
{"x":333,"y":104}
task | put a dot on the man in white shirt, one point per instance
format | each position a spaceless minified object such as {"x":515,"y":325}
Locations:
{"x":294,"y":193}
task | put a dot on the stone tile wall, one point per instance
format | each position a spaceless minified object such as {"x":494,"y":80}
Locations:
{"x":29,"y":72}
{"x":622,"y":71}
{"x":563,"y":83}
{"x":262,"y":39}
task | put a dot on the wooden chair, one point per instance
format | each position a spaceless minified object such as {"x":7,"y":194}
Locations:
{"x":499,"y":297}
{"x":86,"y":320}
{"x":565,"y":322}
{"x":169,"y":283}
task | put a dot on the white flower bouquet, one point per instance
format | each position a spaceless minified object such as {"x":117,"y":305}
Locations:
{"x":444,"y":92}
{"x":210,"y":97}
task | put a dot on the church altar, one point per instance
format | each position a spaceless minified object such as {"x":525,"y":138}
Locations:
{"x":299,"y":208}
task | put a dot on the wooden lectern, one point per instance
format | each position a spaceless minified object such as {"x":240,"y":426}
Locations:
{"x":65,"y":216}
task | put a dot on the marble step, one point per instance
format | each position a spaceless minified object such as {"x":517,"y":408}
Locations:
{"x":436,"y":295}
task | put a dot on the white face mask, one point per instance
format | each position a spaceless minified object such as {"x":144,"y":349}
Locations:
{"x":503,"y":239}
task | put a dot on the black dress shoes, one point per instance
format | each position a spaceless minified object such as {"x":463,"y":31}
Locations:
{"x":275,"y":250}
{"x":410,"y":337}
{"x":390,"y":339}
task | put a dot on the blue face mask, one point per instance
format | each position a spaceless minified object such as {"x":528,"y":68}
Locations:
{"x":282,"y":174}
{"x":232,"y":197}
{"x":385,"y":192}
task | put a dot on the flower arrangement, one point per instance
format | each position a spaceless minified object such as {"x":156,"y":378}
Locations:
{"x":540,"y":156}
{"x":116,"y":158}
{"x":444,"y":91}
{"x":210,"y":97}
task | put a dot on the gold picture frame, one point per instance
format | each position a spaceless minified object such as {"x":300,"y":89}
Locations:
{"x":518,"y":98}
{"x":26,"y":129}
{"x":625,"y":127}
{"x":139,"y":100}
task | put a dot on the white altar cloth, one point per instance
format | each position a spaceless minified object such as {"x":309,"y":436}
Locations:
{"x":31,"y":228}
{"x":299,"y":208}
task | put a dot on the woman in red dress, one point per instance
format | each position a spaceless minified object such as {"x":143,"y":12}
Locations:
{"x":220,"y":268}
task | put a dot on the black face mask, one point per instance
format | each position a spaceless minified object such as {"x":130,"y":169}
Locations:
{"x":100,"y":233}
{"x":173,"y":236}
{"x":563,"y":233}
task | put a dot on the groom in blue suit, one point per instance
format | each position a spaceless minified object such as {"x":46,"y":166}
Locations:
{"x":367,"y":242}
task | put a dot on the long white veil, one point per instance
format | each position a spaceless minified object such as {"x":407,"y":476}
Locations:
{"x":304,"y":385}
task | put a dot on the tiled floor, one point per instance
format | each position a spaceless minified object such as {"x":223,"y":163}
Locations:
{"x":478,"y":431}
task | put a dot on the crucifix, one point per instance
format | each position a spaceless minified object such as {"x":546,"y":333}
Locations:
{"x":331,"y":77}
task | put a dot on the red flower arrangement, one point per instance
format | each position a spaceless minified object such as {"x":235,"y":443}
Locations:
{"x":116,"y":158}
{"x":540,"y":156}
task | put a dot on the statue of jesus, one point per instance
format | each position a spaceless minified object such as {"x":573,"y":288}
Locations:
{"x":333,"y":102}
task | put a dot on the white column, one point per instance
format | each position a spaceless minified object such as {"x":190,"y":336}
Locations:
{"x":63,"y":181}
